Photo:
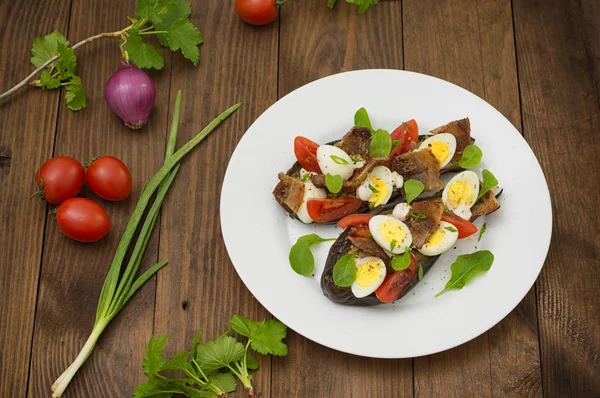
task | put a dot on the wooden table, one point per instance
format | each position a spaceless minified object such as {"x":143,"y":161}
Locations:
{"x":538,"y":62}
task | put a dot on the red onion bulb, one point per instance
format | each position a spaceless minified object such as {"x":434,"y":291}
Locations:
{"x":130,"y":93}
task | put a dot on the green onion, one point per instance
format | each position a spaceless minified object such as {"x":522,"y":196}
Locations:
{"x":119,"y":286}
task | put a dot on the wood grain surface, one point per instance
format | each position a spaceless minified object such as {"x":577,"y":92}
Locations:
{"x":537,"y":62}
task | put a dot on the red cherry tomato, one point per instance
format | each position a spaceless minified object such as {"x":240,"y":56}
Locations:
{"x":256,"y":12}
{"x":354,"y":219}
{"x":465,"y":227}
{"x":408,"y":133}
{"x":396,"y":283}
{"x":109,"y":178}
{"x":82,"y":219}
{"x":326,"y":210}
{"x":306,"y":154}
{"x":59,"y":179}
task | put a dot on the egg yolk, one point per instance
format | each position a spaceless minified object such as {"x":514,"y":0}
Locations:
{"x":460,"y":193}
{"x":435,"y":238}
{"x":440,"y":150}
{"x":382,"y":191}
{"x":391,"y":231}
{"x":368,"y":273}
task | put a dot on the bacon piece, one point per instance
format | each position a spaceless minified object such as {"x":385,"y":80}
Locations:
{"x":422,"y":228}
{"x":485,"y":205}
{"x":419,"y":165}
{"x":370,"y":247}
{"x":461,"y":130}
{"x":356,"y":142}
{"x":289,"y":193}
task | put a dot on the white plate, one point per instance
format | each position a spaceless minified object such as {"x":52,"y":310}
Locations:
{"x":258,"y":234}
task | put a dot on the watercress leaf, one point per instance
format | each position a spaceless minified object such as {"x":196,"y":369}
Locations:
{"x":183,"y":35}
{"x":46,"y":47}
{"x":412,"y":189}
{"x":219,"y":353}
{"x":481,"y":231}
{"x":196,"y":343}
{"x":76,"y":94}
{"x":266,"y":335}
{"x":381,"y":144}
{"x":420,"y":272}
{"x":47,"y":81}
{"x":344,"y":271}
{"x":179,"y":362}
{"x":143,"y":55}
{"x":67,"y":62}
{"x":402,"y":261}
{"x":363,"y":5}
{"x":361,"y":118}
{"x":489,"y":182}
{"x":153,"y":361}
{"x":466,"y":267}
{"x":331,"y":3}
{"x":471,"y":157}
{"x":251,"y":362}
{"x":224,"y":381}
{"x":334,"y":183}
{"x":301,"y":258}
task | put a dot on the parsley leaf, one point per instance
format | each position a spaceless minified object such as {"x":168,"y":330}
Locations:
{"x":47,"y":81}
{"x":361,"y":118}
{"x":67,"y":62}
{"x":153,"y":10}
{"x":489,"y":182}
{"x":402,"y":261}
{"x":412,"y":189}
{"x":334,"y":183}
{"x":224,"y":381}
{"x":151,"y":388}
{"x":179,"y":362}
{"x":381,"y":144}
{"x":344,"y":271}
{"x":46,"y":47}
{"x":331,"y":3}
{"x":363,"y":5}
{"x":143,"y":55}
{"x":76,"y":94}
{"x":153,"y":361}
{"x":219,"y":353}
{"x":471,"y":157}
{"x":251,"y":362}
{"x":195,"y":344}
{"x":466,"y":267}
{"x":265,"y":336}
{"x":183,"y":35}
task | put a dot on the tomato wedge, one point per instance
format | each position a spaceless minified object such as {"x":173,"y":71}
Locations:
{"x":359,"y":231}
{"x":396,"y":283}
{"x":326,"y":210}
{"x":465,"y":227}
{"x":408,"y":133}
{"x":306,"y":154}
{"x":354,"y":219}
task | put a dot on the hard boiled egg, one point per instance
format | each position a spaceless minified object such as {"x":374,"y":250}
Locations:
{"x":379,"y":185}
{"x":370,"y":273}
{"x":460,"y":194}
{"x":310,"y":192}
{"x":390,"y":233}
{"x":333,"y":160}
{"x":440,"y":240}
{"x":443,"y":147}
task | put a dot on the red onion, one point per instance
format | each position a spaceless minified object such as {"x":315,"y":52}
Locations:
{"x":130,"y":93}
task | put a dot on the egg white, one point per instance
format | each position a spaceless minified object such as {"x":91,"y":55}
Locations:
{"x":310,"y":192}
{"x":374,"y":227}
{"x":364,"y":291}
{"x":364,"y":193}
{"x":446,"y":138}
{"x":463,"y":210}
{"x":447,"y":242}
{"x":329,"y":166}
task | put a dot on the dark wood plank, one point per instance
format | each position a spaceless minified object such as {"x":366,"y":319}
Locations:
{"x":200,"y":289}
{"x":73,"y":273}
{"x":337,"y":40}
{"x":27,"y":130}
{"x":558,"y":59}
{"x":471,"y":43}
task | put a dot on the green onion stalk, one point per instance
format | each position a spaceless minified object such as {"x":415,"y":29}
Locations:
{"x":119,"y":286}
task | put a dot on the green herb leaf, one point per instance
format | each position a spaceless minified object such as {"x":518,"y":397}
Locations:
{"x":412,"y":189}
{"x":371,"y":205}
{"x":76,"y":95}
{"x":265,"y":336}
{"x":356,"y":159}
{"x":305,"y":177}
{"x":143,"y":55}
{"x":224,"y":381}
{"x":402,"y":261}
{"x":46,"y":47}
{"x":417,"y":215}
{"x":301,"y":258}
{"x":151,"y":388}
{"x":179,"y":362}
{"x":363,"y":5}
{"x":153,"y":10}
{"x":392,"y":245}
{"x":471,"y":157}
{"x":251,"y":362}
{"x":195,"y":344}
{"x":334,"y":183}
{"x":481,"y":231}
{"x":338,"y":160}
{"x":183,"y":35}
{"x":373,"y":189}
{"x":344,"y":271}
{"x":466,"y":267}
{"x":396,"y":142}
{"x":420,"y":272}
{"x":67,"y":62}
{"x":331,"y":3}
{"x":489,"y":182}
{"x":381,"y":144}
{"x":361,"y":118}
{"x":219,"y":353}
{"x":47,"y":81}
{"x":451,"y":229}
{"x":153,"y":361}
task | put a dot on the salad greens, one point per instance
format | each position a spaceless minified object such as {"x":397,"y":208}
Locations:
{"x":334,"y":183}
{"x":412,"y":189}
{"x":301,"y":258}
{"x":210,"y":369}
{"x":466,"y":267}
{"x":361,"y":118}
{"x":471,"y":157}
{"x":401,"y":261}
{"x":344,"y":271}
{"x":482,"y":231}
{"x":489,"y":182}
{"x":363,"y":5}
{"x":381,"y":144}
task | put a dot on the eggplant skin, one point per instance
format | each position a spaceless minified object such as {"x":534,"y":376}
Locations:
{"x":344,"y":295}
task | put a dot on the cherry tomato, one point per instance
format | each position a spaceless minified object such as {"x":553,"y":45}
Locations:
{"x":408,"y":133}
{"x":257,"y":12}
{"x":306,"y":154}
{"x":326,"y":210}
{"x":82,"y":219}
{"x":396,"y":283}
{"x":354,"y":219}
{"x":465,"y":227}
{"x":360,"y":231}
{"x":59,"y":179}
{"x":109,"y":178}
